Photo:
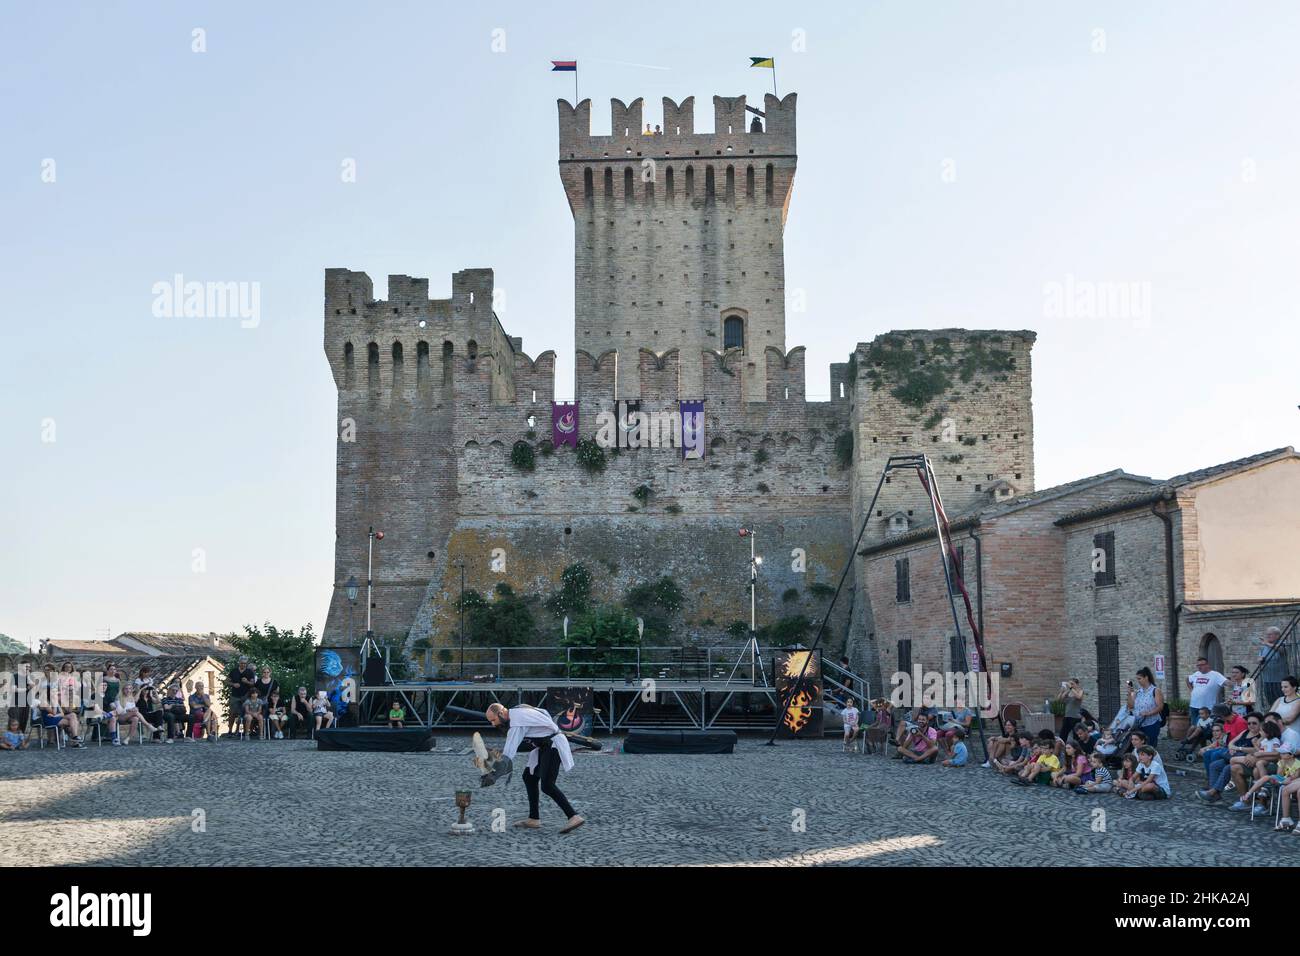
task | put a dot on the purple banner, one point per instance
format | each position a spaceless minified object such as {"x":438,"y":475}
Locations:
{"x":564,"y":424}
{"x":692,"y":429}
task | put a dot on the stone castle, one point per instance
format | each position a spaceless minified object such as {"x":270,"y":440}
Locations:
{"x":680,"y":294}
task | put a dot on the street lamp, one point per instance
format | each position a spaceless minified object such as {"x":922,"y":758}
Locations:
{"x":754,"y":562}
{"x":461,"y":564}
{"x":352,"y":603}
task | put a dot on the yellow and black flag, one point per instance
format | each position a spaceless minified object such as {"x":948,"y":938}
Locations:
{"x":767,"y":62}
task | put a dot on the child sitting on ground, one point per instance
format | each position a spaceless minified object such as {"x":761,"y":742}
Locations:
{"x":960,"y":753}
{"x":396,"y":715}
{"x":1125,"y":779}
{"x":850,"y":716}
{"x":1151,"y":781}
{"x":13,"y":739}
{"x":1218,"y":739}
{"x":1197,"y":735}
{"x":1074,"y":769}
{"x":1041,"y":767}
{"x":1018,"y":756}
{"x":1100,"y":780}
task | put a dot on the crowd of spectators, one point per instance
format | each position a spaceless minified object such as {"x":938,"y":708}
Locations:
{"x":141,"y":709}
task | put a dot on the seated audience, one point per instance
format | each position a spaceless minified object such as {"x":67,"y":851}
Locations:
{"x":397,"y":718}
{"x":1196,"y":735}
{"x":149,"y":702}
{"x":1288,"y":791}
{"x":203,"y":717}
{"x":1251,"y":760}
{"x":173,"y":713}
{"x":1151,"y":781}
{"x":1126,"y":779}
{"x":52,"y":717}
{"x":126,"y":712}
{"x":921,"y":745}
{"x":253,"y":716}
{"x":321,"y":710}
{"x":1040,"y":767}
{"x":1075,"y":767}
{"x":959,"y":755}
{"x":1218,"y":763}
{"x":1279,"y":774}
{"x":1099,"y":780}
{"x":1000,"y":746}
{"x":13,"y":738}
{"x":300,"y":714}
{"x":1014,"y":760}
{"x":276,"y":714}
{"x":1086,"y":737}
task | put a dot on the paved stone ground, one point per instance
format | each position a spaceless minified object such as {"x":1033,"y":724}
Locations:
{"x":283,"y":802}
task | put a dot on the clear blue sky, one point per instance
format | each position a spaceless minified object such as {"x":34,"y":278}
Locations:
{"x":1169,"y":159}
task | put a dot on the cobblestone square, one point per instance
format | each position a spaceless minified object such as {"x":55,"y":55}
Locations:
{"x":284,"y":803}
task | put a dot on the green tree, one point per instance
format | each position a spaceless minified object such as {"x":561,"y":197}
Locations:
{"x":598,"y":633}
{"x":291,"y":655}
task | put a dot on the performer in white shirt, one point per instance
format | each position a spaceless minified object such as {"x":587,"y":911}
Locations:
{"x":551,"y":752}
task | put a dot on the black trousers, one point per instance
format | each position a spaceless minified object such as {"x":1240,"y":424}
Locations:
{"x":548,"y":769}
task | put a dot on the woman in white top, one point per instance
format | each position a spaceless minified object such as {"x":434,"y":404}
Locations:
{"x":1288,"y":705}
{"x":126,"y":713}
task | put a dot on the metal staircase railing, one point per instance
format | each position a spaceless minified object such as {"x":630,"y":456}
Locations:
{"x":1283,"y":658}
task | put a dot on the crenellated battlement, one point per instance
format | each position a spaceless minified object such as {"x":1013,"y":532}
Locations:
{"x":445,"y":422}
{"x":736,"y":132}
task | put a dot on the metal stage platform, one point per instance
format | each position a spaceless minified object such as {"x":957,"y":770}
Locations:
{"x":717,"y":695}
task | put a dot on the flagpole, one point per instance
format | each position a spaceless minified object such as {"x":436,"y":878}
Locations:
{"x":575,"y":86}
{"x":774,"y":92}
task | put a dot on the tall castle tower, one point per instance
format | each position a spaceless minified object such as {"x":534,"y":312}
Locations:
{"x":678,"y":237}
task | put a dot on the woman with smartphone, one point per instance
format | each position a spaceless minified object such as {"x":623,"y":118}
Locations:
{"x":1147,"y":702}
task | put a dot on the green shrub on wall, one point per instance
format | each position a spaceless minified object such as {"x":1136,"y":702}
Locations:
{"x":591,"y":456}
{"x":522,"y":457}
{"x":575,"y":590}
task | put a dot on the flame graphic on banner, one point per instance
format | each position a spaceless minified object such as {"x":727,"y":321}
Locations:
{"x":565,"y":423}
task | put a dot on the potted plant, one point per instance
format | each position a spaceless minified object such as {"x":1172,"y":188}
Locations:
{"x":1179,"y":720}
{"x":1058,"y":714}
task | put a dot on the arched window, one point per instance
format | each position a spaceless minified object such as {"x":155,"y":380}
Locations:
{"x":668,"y":184}
{"x":349,"y":360}
{"x":609,"y":183}
{"x":731,"y":183}
{"x":628,"y":194}
{"x":422,"y":363}
{"x":770,"y":187}
{"x":471,"y":348}
{"x":733,"y":332}
{"x":708,"y":184}
{"x":372,"y":364}
{"x":447,"y":349}
{"x":749,"y":182}
{"x":1212,"y":651}
{"x":398,"y":365}
{"x":690,"y":182}
{"x":587,"y":187}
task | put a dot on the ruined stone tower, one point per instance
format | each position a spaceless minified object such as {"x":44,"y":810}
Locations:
{"x":678,"y":236}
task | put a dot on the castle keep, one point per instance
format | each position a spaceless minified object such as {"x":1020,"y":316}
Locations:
{"x":679,"y":296}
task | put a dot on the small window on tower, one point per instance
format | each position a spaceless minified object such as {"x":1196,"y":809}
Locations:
{"x":733,"y":332}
